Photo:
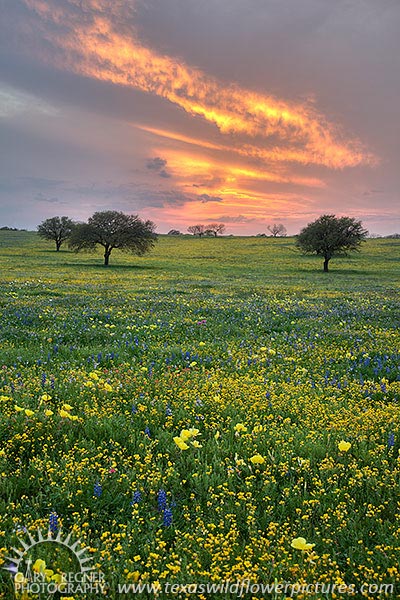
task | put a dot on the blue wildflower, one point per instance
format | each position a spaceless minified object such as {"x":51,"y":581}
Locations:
{"x":391,"y":440}
{"x":137,"y":496}
{"x":53,"y":523}
{"x":162,"y":499}
{"x":97,"y":489}
{"x":167,"y":517}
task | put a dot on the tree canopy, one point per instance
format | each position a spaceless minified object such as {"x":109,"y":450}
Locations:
{"x":57,"y":229}
{"x":112,"y":229}
{"x":215,"y":229}
{"x":330,"y":236}
{"x":277,"y":230}
{"x":197,"y":230}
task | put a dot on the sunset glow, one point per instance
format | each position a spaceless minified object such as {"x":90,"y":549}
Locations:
{"x":201,"y":144}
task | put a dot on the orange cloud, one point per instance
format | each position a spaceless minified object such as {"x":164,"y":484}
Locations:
{"x":98,"y":46}
{"x":261,"y":174}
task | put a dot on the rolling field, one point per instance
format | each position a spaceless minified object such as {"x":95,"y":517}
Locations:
{"x":191,"y":415}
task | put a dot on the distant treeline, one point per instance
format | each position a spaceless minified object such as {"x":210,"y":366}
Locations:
{"x":5,"y":228}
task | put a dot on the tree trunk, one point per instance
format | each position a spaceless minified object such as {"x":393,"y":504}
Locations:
{"x":58,"y":245}
{"x":326,"y":265}
{"x":106,"y":256}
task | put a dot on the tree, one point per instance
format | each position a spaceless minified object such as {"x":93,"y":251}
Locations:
{"x":330,"y":236}
{"x":174,"y":232}
{"x":277,"y":230}
{"x":112,"y":229}
{"x":197,"y":230}
{"x":215,"y":229}
{"x":57,"y":229}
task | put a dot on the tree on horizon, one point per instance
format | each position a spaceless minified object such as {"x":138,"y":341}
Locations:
{"x":57,"y":229}
{"x":114,"y":230}
{"x":330,"y":236}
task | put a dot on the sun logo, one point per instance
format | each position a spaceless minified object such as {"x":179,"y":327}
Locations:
{"x":35,"y":577}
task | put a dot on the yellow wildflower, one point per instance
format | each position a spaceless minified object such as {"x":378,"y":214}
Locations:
{"x":39,"y":566}
{"x":240,"y":427}
{"x":301,"y":544}
{"x":196,"y":444}
{"x":344,"y":446}
{"x":180,"y":443}
{"x":257,"y":459}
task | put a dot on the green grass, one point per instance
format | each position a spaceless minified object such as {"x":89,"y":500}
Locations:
{"x":245,"y":340}
{"x":239,"y":262}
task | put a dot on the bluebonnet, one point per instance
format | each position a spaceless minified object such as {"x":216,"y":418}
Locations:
{"x":162,"y":499}
{"x":391,"y":440}
{"x":97,"y":489}
{"x":137,"y":496}
{"x":167,"y":517}
{"x":147,"y":432}
{"x":53,"y":523}
{"x":168,"y":411}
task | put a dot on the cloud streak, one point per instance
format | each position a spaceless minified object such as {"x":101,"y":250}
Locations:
{"x":93,"y":43}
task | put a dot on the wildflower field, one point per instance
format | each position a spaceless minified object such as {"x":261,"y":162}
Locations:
{"x":220,"y":410}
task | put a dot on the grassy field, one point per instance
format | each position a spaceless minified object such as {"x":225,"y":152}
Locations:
{"x":192,"y":415}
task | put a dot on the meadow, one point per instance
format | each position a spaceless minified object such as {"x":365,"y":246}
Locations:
{"x":220,"y":409}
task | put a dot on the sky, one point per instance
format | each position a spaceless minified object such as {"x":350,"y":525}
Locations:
{"x":243,"y":112}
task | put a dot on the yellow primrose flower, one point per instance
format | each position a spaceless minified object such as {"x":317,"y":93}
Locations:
{"x":29,"y":413}
{"x":64,"y":414}
{"x":196,"y":444}
{"x":344,"y":446}
{"x":107,"y":387}
{"x":202,"y":343}
{"x":217,"y":435}
{"x":2,"y":453}
{"x":180,"y":443}
{"x":39,"y":566}
{"x":66,"y":407}
{"x":49,"y":573}
{"x":94,"y":376}
{"x":48,"y":412}
{"x":257,"y":459}
{"x":193,"y":363}
{"x":18,"y":408}
{"x":193,"y":431}
{"x":45,"y":397}
{"x":301,"y":544}
{"x":240,"y":427}
{"x":185,"y":434}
